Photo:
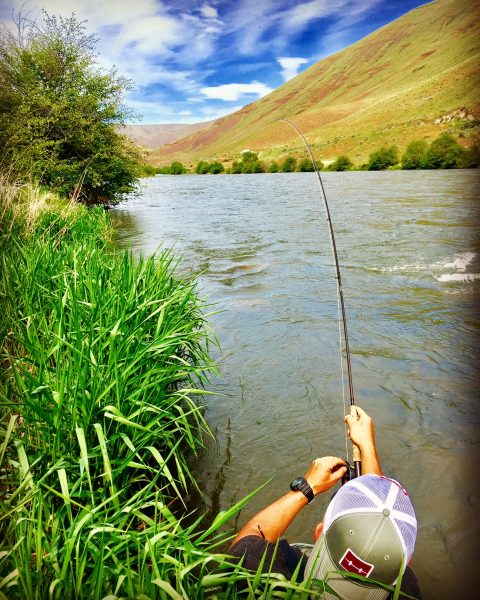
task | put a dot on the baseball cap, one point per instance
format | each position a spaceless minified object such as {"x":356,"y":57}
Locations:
{"x":369,"y":530}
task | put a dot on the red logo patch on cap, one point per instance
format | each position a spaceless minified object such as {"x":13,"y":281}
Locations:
{"x":353,"y":564}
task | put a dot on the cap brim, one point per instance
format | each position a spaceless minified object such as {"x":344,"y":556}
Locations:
{"x":321,"y":566}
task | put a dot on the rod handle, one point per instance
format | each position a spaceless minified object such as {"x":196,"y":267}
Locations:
{"x":356,"y":453}
{"x":356,"y":456}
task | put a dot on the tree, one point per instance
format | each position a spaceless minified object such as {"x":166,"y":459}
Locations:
{"x":444,"y":153}
{"x":215,"y":167}
{"x":236,"y":167}
{"x":342,"y":163}
{"x":254,"y":166}
{"x":383,"y":158}
{"x":201,"y":168}
{"x":289,"y":164}
{"x":176,"y":168}
{"x":306,"y":165}
{"x":248,"y":156}
{"x":59,"y":113}
{"x":273,"y":167}
{"x":414,"y":156}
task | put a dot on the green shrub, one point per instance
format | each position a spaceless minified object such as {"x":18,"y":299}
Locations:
{"x":342,"y":163}
{"x":215,"y":168}
{"x":248,"y":156}
{"x":273,"y":167}
{"x":306,"y":165}
{"x":176,"y":168}
{"x":288,"y":165}
{"x":383,"y":158}
{"x":254,"y":166}
{"x":414,"y":156}
{"x":236,"y":167}
{"x":444,"y":153}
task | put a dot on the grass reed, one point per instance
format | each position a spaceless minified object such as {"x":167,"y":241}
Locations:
{"x":103,"y":363}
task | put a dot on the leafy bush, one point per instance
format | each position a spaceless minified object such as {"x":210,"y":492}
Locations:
{"x":414,"y":156}
{"x":383,"y":158}
{"x":288,"y":165}
{"x":176,"y":168}
{"x":444,"y":153}
{"x":342,"y":163}
{"x":59,"y":112}
{"x":254,"y":166}
{"x":306,"y":165}
{"x":215,"y":168}
{"x":248,"y":157}
{"x":248,"y":164}
{"x":273,"y":167}
{"x":201,"y":167}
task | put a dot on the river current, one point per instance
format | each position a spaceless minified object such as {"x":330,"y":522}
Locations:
{"x":409,"y":249}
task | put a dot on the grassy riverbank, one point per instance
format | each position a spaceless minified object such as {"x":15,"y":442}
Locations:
{"x":102,"y":359}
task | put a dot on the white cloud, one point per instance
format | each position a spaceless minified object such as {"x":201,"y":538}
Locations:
{"x":290,"y":66}
{"x":209,"y":12}
{"x":300,"y":16}
{"x":250,"y":19}
{"x":231,"y":92}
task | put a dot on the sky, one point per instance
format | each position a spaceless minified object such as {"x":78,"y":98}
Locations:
{"x":192,"y":61}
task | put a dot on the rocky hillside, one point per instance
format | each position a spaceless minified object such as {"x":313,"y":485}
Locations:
{"x":411,"y":79}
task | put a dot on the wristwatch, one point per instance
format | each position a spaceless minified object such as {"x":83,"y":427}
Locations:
{"x":300,"y":484}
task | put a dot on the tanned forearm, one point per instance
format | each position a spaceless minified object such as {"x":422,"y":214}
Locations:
{"x":272,"y":521}
{"x":370,"y":460}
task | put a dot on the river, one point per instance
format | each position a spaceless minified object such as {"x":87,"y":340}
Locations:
{"x":408,"y":244}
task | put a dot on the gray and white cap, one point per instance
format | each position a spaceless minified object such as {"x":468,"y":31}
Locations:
{"x":369,"y":530}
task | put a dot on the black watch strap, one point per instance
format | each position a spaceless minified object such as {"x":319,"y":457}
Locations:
{"x":300,"y":484}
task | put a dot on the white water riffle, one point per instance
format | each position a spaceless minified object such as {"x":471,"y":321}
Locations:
{"x":408,"y":247}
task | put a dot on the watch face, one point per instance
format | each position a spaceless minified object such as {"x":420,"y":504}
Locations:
{"x":296,"y":482}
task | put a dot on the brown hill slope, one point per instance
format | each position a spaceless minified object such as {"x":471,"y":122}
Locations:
{"x":154,"y":136}
{"x":389,"y":87}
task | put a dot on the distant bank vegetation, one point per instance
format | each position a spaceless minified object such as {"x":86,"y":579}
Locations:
{"x":443,"y":153}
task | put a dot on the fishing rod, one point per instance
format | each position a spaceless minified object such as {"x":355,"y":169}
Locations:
{"x":354,"y":470}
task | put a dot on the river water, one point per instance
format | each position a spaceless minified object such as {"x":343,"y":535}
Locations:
{"x":408,"y":244}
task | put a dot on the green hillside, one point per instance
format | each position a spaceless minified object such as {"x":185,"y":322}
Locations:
{"x":411,"y":79}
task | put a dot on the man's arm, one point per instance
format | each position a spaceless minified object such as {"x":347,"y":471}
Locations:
{"x":361,"y":432}
{"x":272,"y":521}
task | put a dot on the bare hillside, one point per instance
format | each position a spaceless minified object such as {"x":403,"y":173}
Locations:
{"x":155,"y":136}
{"x":402,"y":82}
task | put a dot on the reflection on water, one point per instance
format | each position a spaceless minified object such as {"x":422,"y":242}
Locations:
{"x":409,"y":249}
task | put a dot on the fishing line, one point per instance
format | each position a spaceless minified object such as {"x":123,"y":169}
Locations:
{"x":340,"y":300}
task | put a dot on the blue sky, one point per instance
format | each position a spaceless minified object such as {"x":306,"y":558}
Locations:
{"x":193,"y":61}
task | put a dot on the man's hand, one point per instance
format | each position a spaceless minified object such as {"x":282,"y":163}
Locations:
{"x":360,"y":429}
{"x":325,"y":472}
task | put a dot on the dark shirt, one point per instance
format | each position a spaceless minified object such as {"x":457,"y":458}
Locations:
{"x":285,"y":559}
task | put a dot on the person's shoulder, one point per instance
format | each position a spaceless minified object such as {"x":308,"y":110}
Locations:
{"x":252,"y":549}
{"x":277,"y":558}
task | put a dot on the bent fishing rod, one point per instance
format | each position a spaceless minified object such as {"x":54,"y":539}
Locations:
{"x":354,"y":470}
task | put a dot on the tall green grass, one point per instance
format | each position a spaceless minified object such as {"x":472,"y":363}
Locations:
{"x":103,"y":363}
{"x":103,"y":358}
